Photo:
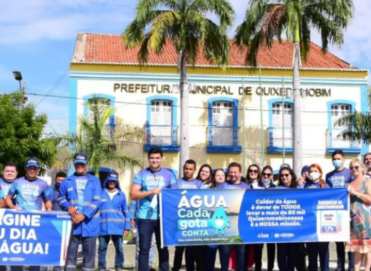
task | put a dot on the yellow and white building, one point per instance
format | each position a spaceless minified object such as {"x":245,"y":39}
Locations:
{"x":224,"y":122}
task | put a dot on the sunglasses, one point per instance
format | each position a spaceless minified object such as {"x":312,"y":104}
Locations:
{"x":253,"y":171}
{"x":285,"y":175}
{"x":267,"y":174}
{"x":355,"y":167}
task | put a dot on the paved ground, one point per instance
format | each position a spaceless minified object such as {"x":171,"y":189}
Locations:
{"x":129,"y":252}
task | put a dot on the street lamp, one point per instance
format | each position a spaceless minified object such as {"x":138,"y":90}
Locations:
{"x":18,"y":76}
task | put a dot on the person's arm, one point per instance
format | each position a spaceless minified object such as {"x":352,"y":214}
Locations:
{"x":2,"y":203}
{"x":63,"y":202}
{"x":365,"y":197}
{"x":125,"y":212}
{"x":10,"y":196}
{"x":46,"y":195}
{"x":136,"y":193}
{"x":91,"y":208}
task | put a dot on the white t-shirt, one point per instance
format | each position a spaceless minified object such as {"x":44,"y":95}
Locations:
{"x":112,"y":194}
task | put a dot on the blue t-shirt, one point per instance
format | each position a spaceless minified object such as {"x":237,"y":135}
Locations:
{"x":30,"y":194}
{"x":5,"y":186}
{"x":282,"y":187}
{"x":310,"y":185}
{"x":1,"y":193}
{"x":148,"y":180}
{"x":338,"y":179}
{"x":81,"y":182}
{"x":230,"y":185}
{"x":184,"y":184}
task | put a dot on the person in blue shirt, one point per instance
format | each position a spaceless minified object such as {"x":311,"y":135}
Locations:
{"x":30,"y":193}
{"x":193,"y":253}
{"x":10,"y":173}
{"x":287,"y":253}
{"x":54,"y":190}
{"x":79,"y":195}
{"x":114,"y":221}
{"x":316,"y":249}
{"x":234,"y":182}
{"x":146,"y":187}
{"x":339,"y":178}
{"x":133,"y":215}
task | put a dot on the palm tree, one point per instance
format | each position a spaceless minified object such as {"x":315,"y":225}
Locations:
{"x":96,"y":139}
{"x":357,"y":126}
{"x":264,"y":22}
{"x":185,"y":25}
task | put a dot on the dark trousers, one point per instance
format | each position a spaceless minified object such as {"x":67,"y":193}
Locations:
{"x":21,"y":268}
{"x":178,"y":258}
{"x":146,"y":228}
{"x":258,"y":254}
{"x":318,"y":249}
{"x":340,"y":251}
{"x":195,"y":254}
{"x":102,"y":250}
{"x":287,"y":256}
{"x":301,"y":264}
{"x":88,"y":252}
{"x":225,"y":251}
{"x":211,"y":257}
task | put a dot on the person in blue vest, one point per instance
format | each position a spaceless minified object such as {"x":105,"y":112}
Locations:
{"x":146,"y":187}
{"x":114,"y":221}
{"x":79,"y":195}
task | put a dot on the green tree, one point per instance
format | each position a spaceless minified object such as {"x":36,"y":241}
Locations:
{"x":357,"y":126}
{"x":97,"y":139}
{"x":21,"y":133}
{"x":185,"y":24}
{"x":265,"y":21}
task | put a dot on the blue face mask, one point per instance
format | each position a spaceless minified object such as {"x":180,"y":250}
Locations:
{"x":337,"y":163}
{"x":266,"y":183}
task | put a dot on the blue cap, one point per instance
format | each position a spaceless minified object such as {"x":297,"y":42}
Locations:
{"x":113,"y":176}
{"x":80,"y":157}
{"x":32,"y":162}
{"x":304,"y":169}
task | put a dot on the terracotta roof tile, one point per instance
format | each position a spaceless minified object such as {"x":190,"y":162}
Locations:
{"x":103,"y":48}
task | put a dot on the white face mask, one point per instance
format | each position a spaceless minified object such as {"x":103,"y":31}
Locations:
{"x":314,"y":176}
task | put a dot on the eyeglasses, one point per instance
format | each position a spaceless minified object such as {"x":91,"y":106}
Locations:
{"x":267,"y":174}
{"x":253,"y":171}
{"x":285,"y":175}
{"x":355,"y":167}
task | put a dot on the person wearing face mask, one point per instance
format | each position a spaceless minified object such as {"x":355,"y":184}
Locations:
{"x":234,"y":182}
{"x":287,"y":253}
{"x":316,"y":249}
{"x":253,"y":177}
{"x":338,"y":178}
{"x":360,"y":231}
{"x":54,"y":190}
{"x":265,"y":182}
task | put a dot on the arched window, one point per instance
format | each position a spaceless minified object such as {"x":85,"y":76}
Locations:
{"x":280,"y":131}
{"x":162,"y":129}
{"x":223,"y":126}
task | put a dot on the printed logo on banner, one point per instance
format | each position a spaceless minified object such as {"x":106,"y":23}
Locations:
{"x":330,"y":222}
{"x":220,"y":221}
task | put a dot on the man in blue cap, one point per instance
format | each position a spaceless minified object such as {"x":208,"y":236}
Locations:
{"x":29,"y":193}
{"x":79,"y":195}
{"x":114,"y":222}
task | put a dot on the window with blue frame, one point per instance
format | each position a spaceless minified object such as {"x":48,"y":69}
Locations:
{"x":337,"y":110}
{"x":280,"y":131}
{"x":223,"y":126}
{"x":162,"y":129}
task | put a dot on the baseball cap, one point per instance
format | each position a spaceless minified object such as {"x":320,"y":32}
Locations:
{"x":32,"y":162}
{"x":113,"y":176}
{"x":80,"y":157}
{"x":304,"y":169}
{"x":285,"y":166}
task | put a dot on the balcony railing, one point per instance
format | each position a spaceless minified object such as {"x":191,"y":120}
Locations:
{"x":162,"y":135}
{"x":335,"y":141}
{"x":223,"y":139}
{"x":280,"y":138}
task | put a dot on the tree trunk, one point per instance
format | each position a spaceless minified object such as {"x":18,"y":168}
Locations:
{"x":297,"y":142}
{"x":184,"y":126}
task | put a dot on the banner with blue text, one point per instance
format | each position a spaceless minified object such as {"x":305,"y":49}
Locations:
{"x":216,"y":216}
{"x":34,"y":238}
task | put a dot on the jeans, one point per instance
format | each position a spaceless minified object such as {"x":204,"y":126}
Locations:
{"x":146,"y":229}
{"x":318,"y":249}
{"x":178,"y":258}
{"x":258,"y":253}
{"x":22,"y":268}
{"x":340,"y":251}
{"x":195,"y":254}
{"x":102,"y":250}
{"x":287,"y":256}
{"x":151,"y":251}
{"x":88,"y":252}
{"x":225,"y":251}
{"x":211,"y":257}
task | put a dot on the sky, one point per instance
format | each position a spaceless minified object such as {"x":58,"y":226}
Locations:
{"x":37,"y":38}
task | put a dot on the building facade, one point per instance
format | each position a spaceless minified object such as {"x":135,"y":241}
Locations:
{"x":238,"y":114}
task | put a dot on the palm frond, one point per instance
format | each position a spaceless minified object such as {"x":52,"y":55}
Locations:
{"x":357,"y":127}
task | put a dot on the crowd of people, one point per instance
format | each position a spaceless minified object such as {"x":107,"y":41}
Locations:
{"x":100,"y":211}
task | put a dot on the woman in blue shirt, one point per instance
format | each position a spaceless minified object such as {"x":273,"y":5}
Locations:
{"x":316,"y":249}
{"x":287,"y":253}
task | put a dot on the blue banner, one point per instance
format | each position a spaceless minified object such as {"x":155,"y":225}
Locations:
{"x":216,"y":216}
{"x":34,"y":238}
